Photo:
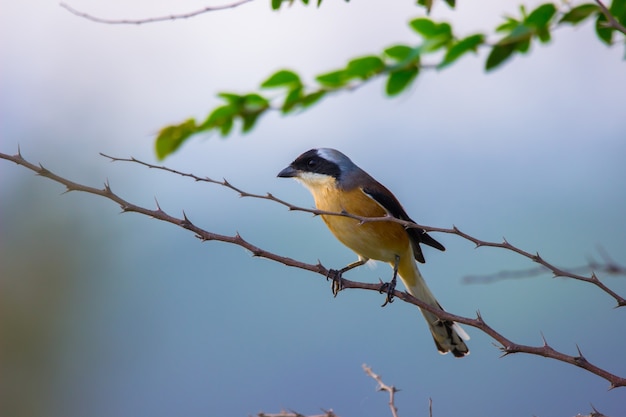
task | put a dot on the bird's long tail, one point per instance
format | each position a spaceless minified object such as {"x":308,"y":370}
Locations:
{"x":448,"y":336}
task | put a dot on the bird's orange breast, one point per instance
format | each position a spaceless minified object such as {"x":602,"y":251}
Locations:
{"x":376,"y":240}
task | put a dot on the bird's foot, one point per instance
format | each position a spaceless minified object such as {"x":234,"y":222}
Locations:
{"x":337,"y":284}
{"x":388,"y":288}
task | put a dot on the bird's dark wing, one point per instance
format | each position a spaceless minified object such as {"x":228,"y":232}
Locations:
{"x":385,"y":198}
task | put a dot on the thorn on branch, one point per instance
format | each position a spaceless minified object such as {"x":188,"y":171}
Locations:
{"x":158,"y":206}
{"x":580,"y":359}
{"x":479,"y":317}
{"x":42,"y":170}
{"x":186,"y":223}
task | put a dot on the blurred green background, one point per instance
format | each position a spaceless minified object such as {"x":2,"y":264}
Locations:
{"x":104,"y":314}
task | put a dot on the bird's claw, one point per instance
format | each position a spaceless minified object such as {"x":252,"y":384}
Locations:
{"x":388,"y":288}
{"x":337,"y":284}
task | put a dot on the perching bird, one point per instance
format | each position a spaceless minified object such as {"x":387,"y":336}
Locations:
{"x":339,"y":186}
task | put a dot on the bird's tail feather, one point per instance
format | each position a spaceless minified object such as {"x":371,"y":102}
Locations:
{"x":448,"y":336}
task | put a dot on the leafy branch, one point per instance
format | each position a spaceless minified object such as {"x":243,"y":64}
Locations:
{"x":399,"y":65}
{"x":506,"y":345}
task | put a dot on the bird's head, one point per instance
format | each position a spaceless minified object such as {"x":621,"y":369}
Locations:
{"x":318,"y":167}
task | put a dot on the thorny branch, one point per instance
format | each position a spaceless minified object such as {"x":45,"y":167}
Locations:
{"x":151,"y":19}
{"x":506,"y":346}
{"x":556,"y":271}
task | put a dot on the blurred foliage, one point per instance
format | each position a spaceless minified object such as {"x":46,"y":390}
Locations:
{"x":398,"y":64}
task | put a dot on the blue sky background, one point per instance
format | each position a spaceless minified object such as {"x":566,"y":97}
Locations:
{"x":105,"y":314}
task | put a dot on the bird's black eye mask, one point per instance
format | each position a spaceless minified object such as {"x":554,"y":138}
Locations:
{"x":312,"y":162}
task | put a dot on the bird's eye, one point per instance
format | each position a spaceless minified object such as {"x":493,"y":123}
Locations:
{"x":311,"y":163}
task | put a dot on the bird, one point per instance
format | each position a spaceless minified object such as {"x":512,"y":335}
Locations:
{"x":338,"y":185}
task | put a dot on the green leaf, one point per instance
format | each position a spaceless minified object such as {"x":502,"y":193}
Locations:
{"x":522,"y":46}
{"x":544,"y":34}
{"x":498,"y":55}
{"x":428,"y":4}
{"x":618,"y":10}
{"x":231,"y":97}
{"x":282,"y":78}
{"x":471,"y":43}
{"x":292,"y":99}
{"x":398,"y":52}
{"x":255,"y":102}
{"x":249,"y":121}
{"x":365,"y":67}
{"x":170,"y":138}
{"x":219,"y":116}
{"x":333,"y":79}
{"x":429,"y":29}
{"x":276,"y":4}
{"x":509,"y":25}
{"x":399,"y":80}
{"x":226,"y":127}
{"x":312,"y":98}
{"x":519,"y":33}
{"x":579,"y":13}
{"x":604,"y":33}
{"x":541,"y":16}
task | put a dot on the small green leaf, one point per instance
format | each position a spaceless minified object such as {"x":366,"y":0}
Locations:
{"x":429,"y":29}
{"x":509,"y":25}
{"x":579,"y":13}
{"x":282,"y":78}
{"x":219,"y":116}
{"x":604,"y":33}
{"x":399,"y":80}
{"x":170,"y":138}
{"x":231,"y":97}
{"x":541,"y":16}
{"x":544,"y":34}
{"x":365,"y":67}
{"x":522,"y":46}
{"x":255,"y":102}
{"x":312,"y":98}
{"x":333,"y":79}
{"x":249,"y":121}
{"x":292,"y":99}
{"x":276,"y":4}
{"x":471,"y":43}
{"x":618,"y":10}
{"x":398,"y":52}
{"x":226,"y":127}
{"x":498,"y":55}
{"x":519,"y":33}
{"x":428,"y":4}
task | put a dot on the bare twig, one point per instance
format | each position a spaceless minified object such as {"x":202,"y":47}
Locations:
{"x":151,"y":19}
{"x":556,"y":271}
{"x":612,"y":21}
{"x":607,"y":266}
{"x":327,"y":413}
{"x":384,"y":387}
{"x":506,"y":345}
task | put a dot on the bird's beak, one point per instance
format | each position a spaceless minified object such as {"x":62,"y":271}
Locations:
{"x":288,"y":172}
